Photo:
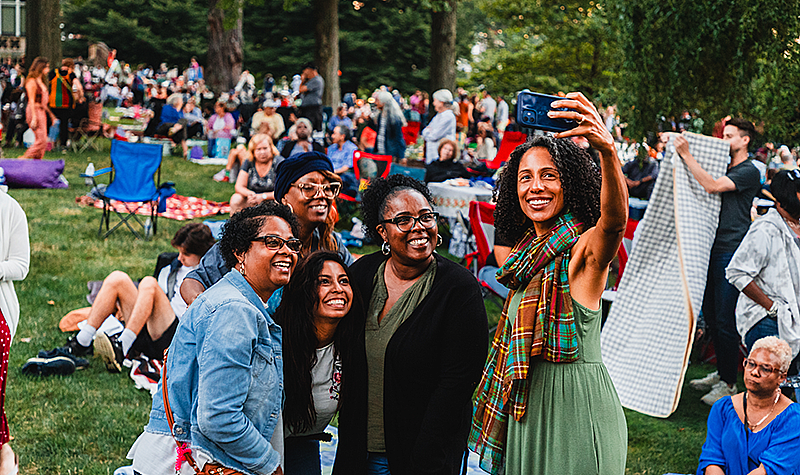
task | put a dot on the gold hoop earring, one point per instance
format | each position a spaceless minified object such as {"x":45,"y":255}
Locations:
{"x":241,"y":268}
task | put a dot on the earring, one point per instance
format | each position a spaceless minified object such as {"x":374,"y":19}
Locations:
{"x":241,"y":268}
{"x":438,"y":240}
{"x":385,"y":249}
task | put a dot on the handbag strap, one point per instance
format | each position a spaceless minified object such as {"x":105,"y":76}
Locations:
{"x":182,"y":449}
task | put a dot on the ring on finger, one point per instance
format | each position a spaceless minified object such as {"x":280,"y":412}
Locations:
{"x":582,"y":119}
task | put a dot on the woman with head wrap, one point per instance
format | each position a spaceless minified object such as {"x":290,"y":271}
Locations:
{"x":390,"y":122}
{"x":306,"y":183}
{"x":442,"y":126}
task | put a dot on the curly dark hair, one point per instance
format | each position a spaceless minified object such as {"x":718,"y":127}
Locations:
{"x":580,"y":182}
{"x":295,"y":315}
{"x":785,"y":186}
{"x":379,"y":191}
{"x":242,"y":227}
{"x":194,"y":238}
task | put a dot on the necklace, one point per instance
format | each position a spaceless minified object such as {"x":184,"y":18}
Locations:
{"x":753,"y":426}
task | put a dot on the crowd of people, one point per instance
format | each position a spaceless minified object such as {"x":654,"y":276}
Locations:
{"x":281,"y":305}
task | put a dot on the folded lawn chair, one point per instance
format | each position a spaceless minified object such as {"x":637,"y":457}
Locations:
{"x":89,"y":129}
{"x":132,"y":182}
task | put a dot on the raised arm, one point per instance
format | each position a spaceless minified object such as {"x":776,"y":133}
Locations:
{"x":720,"y":185}
{"x":600,"y":244}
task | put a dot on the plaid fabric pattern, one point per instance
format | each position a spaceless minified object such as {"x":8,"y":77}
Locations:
{"x":542,"y":323}
{"x":647,"y":338}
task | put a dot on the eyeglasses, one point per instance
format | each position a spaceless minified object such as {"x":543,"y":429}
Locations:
{"x":407,"y":223}
{"x":750,"y":365}
{"x":274,"y":243}
{"x":310,"y":190}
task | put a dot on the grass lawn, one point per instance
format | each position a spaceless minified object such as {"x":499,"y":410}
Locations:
{"x":85,"y":423}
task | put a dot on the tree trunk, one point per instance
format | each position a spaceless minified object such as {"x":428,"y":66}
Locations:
{"x":43,"y":35}
{"x":326,"y":36}
{"x":443,"y":48}
{"x":224,"y":50}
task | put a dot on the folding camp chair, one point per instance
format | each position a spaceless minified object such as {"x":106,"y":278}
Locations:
{"x":133,"y":169}
{"x":481,"y":227}
{"x":411,"y":132}
{"x":367,"y":166}
{"x":511,"y":140}
{"x":89,"y":129}
{"x":413,"y":172}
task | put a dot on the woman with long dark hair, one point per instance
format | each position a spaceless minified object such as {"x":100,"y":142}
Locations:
{"x":320,"y":314}
{"x":37,"y":111}
{"x":546,"y":403}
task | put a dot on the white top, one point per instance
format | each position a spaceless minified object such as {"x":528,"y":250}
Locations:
{"x":326,"y":376}
{"x":15,"y":256}
{"x":769,"y":256}
{"x":489,"y":106}
{"x":442,"y":126}
{"x":502,"y":112}
{"x":178,"y":304}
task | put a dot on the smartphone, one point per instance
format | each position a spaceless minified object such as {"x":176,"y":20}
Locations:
{"x":532,"y":109}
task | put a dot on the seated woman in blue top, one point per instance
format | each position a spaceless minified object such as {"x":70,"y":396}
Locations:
{"x":173,"y":124}
{"x":756,"y":432}
{"x":227,"y":336}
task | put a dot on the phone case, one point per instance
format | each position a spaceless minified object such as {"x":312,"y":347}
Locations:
{"x":532,"y":109}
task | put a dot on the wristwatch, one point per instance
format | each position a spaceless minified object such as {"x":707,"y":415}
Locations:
{"x":773,"y":311}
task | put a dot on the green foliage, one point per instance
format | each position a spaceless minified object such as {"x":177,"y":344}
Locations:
{"x":718,"y":56}
{"x":547,"y":46}
{"x":142,"y":31}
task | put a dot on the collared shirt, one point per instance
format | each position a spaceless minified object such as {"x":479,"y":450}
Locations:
{"x":342,"y":156}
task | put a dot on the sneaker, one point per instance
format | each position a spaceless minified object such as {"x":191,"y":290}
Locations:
{"x":73,"y":348}
{"x":705,"y":384}
{"x":719,"y":391}
{"x":80,"y":363}
{"x":110,"y":349}
{"x":59,"y":365}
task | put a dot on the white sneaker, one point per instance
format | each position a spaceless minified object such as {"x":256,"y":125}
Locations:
{"x":719,"y":391}
{"x":705,"y":384}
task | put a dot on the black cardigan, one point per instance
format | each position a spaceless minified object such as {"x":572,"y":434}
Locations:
{"x":433,"y":363}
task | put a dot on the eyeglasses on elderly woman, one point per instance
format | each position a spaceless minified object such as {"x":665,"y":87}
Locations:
{"x":750,"y":365}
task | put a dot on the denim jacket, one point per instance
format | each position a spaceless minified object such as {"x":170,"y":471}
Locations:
{"x":225,"y":376}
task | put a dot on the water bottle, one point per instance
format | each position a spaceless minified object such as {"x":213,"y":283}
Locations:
{"x":89,"y":171}
{"x":148,"y":228}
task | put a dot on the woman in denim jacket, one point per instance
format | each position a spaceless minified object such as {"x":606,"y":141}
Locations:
{"x":225,"y":367}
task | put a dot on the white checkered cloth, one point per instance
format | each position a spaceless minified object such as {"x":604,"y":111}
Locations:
{"x":648,"y":336}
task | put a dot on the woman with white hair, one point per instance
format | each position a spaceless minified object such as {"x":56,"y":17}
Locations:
{"x":390,"y":122}
{"x":442,"y":126}
{"x":755,"y":432}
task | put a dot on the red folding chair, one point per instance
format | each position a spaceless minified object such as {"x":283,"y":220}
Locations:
{"x":511,"y":140}
{"x":411,"y":132}
{"x":383,"y":164}
{"x":481,"y":223}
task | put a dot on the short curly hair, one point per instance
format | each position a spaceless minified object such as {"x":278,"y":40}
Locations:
{"x":580,"y":182}
{"x":379,"y":191}
{"x":242,"y":227}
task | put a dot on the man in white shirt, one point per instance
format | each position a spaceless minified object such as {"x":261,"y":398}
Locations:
{"x":150,"y":312}
{"x":501,"y":118}
{"x":488,"y":106}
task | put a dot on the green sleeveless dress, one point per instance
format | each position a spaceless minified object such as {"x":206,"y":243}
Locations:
{"x":573,"y":423}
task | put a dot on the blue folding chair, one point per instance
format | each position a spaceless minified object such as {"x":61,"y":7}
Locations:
{"x":413,"y":172}
{"x":134,"y":180}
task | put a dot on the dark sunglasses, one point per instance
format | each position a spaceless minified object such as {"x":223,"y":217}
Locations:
{"x":407,"y":223}
{"x":274,"y":243}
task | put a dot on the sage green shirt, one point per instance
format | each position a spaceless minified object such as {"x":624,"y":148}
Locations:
{"x":377,"y":336}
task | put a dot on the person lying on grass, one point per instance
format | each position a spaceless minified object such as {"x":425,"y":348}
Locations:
{"x":150,"y":312}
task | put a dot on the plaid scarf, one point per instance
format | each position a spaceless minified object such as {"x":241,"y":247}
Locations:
{"x":538,"y":267}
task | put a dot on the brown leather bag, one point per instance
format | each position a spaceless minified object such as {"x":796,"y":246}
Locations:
{"x":208,"y":468}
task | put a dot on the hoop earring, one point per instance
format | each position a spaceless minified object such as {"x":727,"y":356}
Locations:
{"x":438,"y":240}
{"x":241,"y":267}
{"x":385,"y":248}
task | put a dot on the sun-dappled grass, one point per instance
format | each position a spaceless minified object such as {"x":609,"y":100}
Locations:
{"x":85,"y":423}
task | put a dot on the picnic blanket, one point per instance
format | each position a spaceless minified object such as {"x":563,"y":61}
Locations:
{"x":648,"y":336}
{"x":178,"y":207}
